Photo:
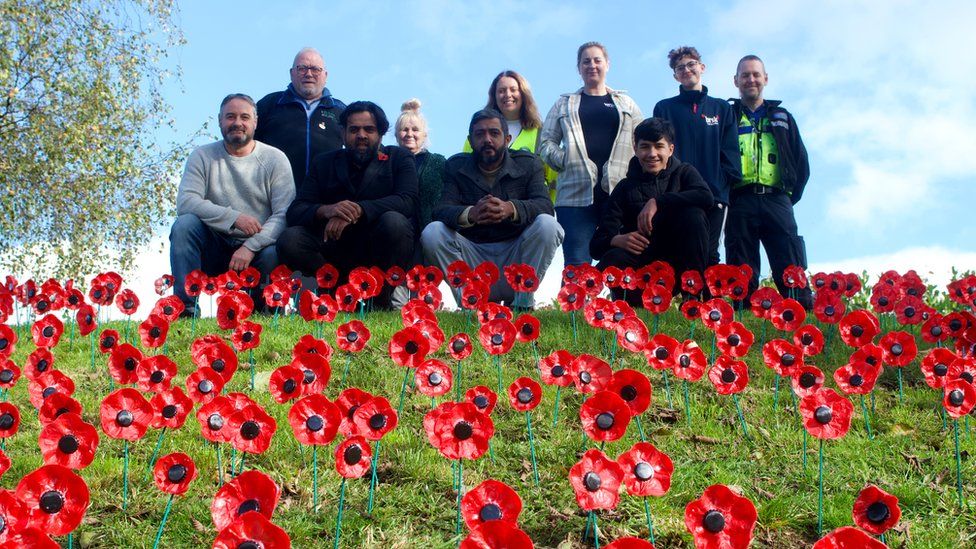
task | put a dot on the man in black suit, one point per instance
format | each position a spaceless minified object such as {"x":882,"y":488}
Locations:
{"x":357,"y":205}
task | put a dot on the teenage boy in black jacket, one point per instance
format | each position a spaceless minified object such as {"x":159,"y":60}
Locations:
{"x":657,"y":212}
{"x":704,"y":136}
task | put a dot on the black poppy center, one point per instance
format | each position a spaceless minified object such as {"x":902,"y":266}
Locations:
{"x":315,"y":423}
{"x":42,"y":365}
{"x":604,"y":421}
{"x":322,"y":310}
{"x":909,"y":312}
{"x":308,"y":376}
{"x":411,"y":347}
{"x":3,"y":343}
{"x":524,"y":395}
{"x":250,"y":430}
{"x":684,"y":361}
{"x":585,"y":377}
{"x":628,"y":393}
{"x":728,"y":375}
{"x":490,"y":512}
{"x":897,"y":349}
{"x":878,"y":512}
{"x":6,"y":421}
{"x":130,"y":364}
{"x":435,"y":379}
{"x":496,"y":339}
{"x":247,"y":337}
{"x":829,"y":310}
{"x":643,"y":471}
{"x":215,"y":422}
{"x":823,"y":414}
{"x":154,"y":332}
{"x":967,"y":376}
{"x":481,"y":402}
{"x":352,"y":454}
{"x":248,"y":505}
{"x":48,"y":391}
{"x":956,"y":397}
{"x":169,"y":411}
{"x":714,"y":521}
{"x":158,"y":376}
{"x":124,"y":418}
{"x":527,"y":329}
{"x":734,"y":340}
{"x":51,"y":501}
{"x":457,"y":346}
{"x":714,"y":316}
{"x":788,"y":359}
{"x":592,"y":481}
{"x":68,"y":444}
{"x":351,"y":337}
{"x":377,"y":421}
{"x":857,"y":331}
{"x":936,"y":331}
{"x":955,"y":324}
{"x":787,"y":316}
{"x":856,"y":380}
{"x":661,"y":353}
{"x":807,"y":380}
{"x":108,"y":341}
{"x":289,"y":386}
{"x":558,"y":371}
{"x":941,"y":369}
{"x":571,"y":298}
{"x":766,"y":304}
{"x":48,"y":331}
{"x":205,"y":386}
{"x":6,"y":376}
{"x":463,"y":430}
{"x":806,"y":339}
{"x":176,"y":473}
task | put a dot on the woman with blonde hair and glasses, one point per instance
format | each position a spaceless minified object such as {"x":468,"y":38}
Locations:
{"x":588,"y":138}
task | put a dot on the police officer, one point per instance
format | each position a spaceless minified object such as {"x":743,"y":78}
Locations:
{"x":775,"y":170}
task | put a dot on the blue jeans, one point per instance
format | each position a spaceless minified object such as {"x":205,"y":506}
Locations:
{"x":193,"y":245}
{"x":579,"y":224}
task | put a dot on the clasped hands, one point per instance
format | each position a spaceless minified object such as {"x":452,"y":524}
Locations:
{"x":490,"y":209}
{"x":637,"y":241}
{"x":340,"y":215}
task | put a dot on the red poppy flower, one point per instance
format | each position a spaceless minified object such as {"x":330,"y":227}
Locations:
{"x":459,"y":346}
{"x":286,"y":383}
{"x":761,"y":302}
{"x":596,"y":481}
{"x":250,"y":277}
{"x":327,"y":276}
{"x":720,"y":279}
{"x":56,"y":405}
{"x":612,"y":276}
{"x":733,"y":339}
{"x":848,"y":537}
{"x":85,"y":317}
{"x":721,"y":518}
{"x":47,"y":331}
{"x":589,"y":373}
{"x":348,"y":402}
{"x":169,"y":308}
{"x":353,"y":457}
{"x":524,"y":394}
{"x":252,"y":530}
{"x":633,"y":387}
{"x":729,"y":376}
{"x":8,"y":341}
{"x":246,"y":336}
{"x":806,"y":380}
{"x":194,"y":282}
{"x":692,"y":283}
{"x":217,"y":356}
{"x":232,"y":308}
{"x":875,"y":510}
{"x":809,"y":339}
{"x":826,"y":415}
{"x":883,"y":298}
{"x":521,"y":277}
{"x":49,"y":383}
{"x":690,"y":361}
{"x":935,"y":366}
{"x":656,"y":299}
{"x":99,"y":294}
{"x":598,"y":312}
{"x":364,"y":281}
{"x":9,"y":420}
{"x":461,"y":431}
{"x":647,"y":470}
{"x":589,"y":279}
{"x":962,"y":368}
{"x":787,"y":315}
{"x":554,"y":369}
{"x":314,"y":420}
{"x":935,"y":329}
{"x":125,"y":414}
{"x":68,"y":441}
{"x":408,"y":347}
{"x":251,"y":429}
{"x":497,"y":533}
{"x":352,"y":336}
{"x":374,"y":418}
{"x":173,"y":473}
{"x":960,"y":398}
{"x":9,"y":374}
{"x":277,"y":294}
{"x":431,"y":332}
{"x":249,"y":491}
{"x":869,"y":353}
{"x":155,"y":373}
{"x":38,"y":362}
{"x":490,"y":501}
{"x":631,"y":334}
{"x":309,"y":345}
{"x":229,"y":282}
{"x":497,"y":336}
{"x":434,"y":378}
{"x":13,"y":517}
{"x":715,"y":313}
{"x":958,"y":323}
{"x":526,"y":328}
{"x":56,"y":499}
{"x":108,"y":340}
{"x":212,"y":418}
{"x":316,"y":372}
{"x":203,"y":384}
{"x":898,"y":349}
{"x":127,"y":301}
{"x":856,"y":378}
{"x":170,"y":408}
{"x":152,"y":331}
{"x":781,"y":356}
{"x":794,"y":277}
{"x":571,"y":297}
{"x":482,"y":397}
{"x":828,"y":307}
{"x":661,"y":352}
{"x":605,"y":416}
{"x":908,"y":310}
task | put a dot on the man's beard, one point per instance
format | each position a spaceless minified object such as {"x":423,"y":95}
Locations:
{"x":362,"y":157}
{"x":481,"y":158}
{"x":237,"y":138}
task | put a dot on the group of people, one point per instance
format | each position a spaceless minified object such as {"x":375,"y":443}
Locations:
{"x":302,"y":179}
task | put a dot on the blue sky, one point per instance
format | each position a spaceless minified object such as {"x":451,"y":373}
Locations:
{"x":882,"y":92}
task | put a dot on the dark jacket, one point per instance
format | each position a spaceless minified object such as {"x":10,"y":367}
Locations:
{"x":430,"y":173}
{"x":677,"y":186}
{"x":520,"y":180}
{"x":282,"y":124}
{"x":794,"y":165}
{"x":389,"y":183}
{"x":705,"y":137}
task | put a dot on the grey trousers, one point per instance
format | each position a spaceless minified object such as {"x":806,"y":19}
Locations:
{"x":535,"y":246}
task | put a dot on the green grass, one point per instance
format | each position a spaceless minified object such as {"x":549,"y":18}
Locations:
{"x":910,"y":456}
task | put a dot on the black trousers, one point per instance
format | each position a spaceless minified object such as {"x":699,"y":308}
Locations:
{"x":384,"y":243}
{"x":767,"y":219}
{"x":680,"y":237}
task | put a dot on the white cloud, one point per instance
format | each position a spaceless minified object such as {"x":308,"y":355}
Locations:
{"x":934,"y":264}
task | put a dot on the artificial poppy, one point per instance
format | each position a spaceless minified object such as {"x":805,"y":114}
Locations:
{"x":310,"y":345}
{"x":958,"y":323}
{"x":286,"y":383}
{"x":935,"y":366}
{"x":826,"y":415}
{"x":277,"y":294}
{"x":251,"y":429}
{"x":856,"y":378}
{"x":499,"y":534}
{"x":632,"y":334}
{"x":934,"y":329}
{"x":13,"y":517}
{"x":526,"y":328}
{"x":250,"y":277}
{"x":414,"y":311}
{"x":249,"y":491}
{"x":203,"y":384}
{"x":483,"y":398}
{"x":316,"y":372}
{"x":46,"y":331}
{"x":212,"y":417}
{"x":9,"y":420}
{"x":431,"y":332}
{"x":68,"y":441}
{"x":217,"y":356}
{"x":692,"y":283}
{"x":555,"y":368}
{"x":327,"y":276}
{"x":787,"y":315}
{"x":42,"y":304}
{"x":363,"y":280}
{"x":56,"y":499}
{"x":490,"y":501}
{"x":870,"y":353}
{"x":374,"y":418}
{"x":152,"y":331}
{"x":430,"y":296}
{"x":656,"y":299}
{"x":733,"y":339}
{"x":314,"y":420}
{"x":605,"y":416}
{"x":589,"y":373}
{"x":39,"y":362}
{"x":848,"y":537}
{"x":647,"y":470}
{"x":691,"y":309}
{"x":806,"y":380}
{"x":408,"y":347}
{"x":661,"y":352}
{"x":127,"y":301}
{"x":170,"y":408}
{"x":461,"y":431}
{"x":352,"y":336}
{"x":524,"y":394}
{"x":716,"y":312}
{"x":809,"y":339}
{"x":459,"y":346}
{"x":8,"y":341}
{"x":434,"y":378}
{"x":720,"y":278}
{"x":612,"y":276}
{"x":353,"y":457}
{"x":828,"y":307}
{"x":229,"y":282}
{"x":56,"y":405}
{"x":690,"y":361}
{"x":9,"y":374}
{"x":348,"y":401}
{"x":794,"y":276}
{"x":247,"y":335}
{"x":571,"y":297}
{"x":729,"y":376}
{"x":963,"y":368}
{"x":909,"y":310}
{"x":168,"y":307}
{"x":633,"y":387}
{"x":959,"y":398}
{"x":589,"y":279}
{"x":108,"y":340}
{"x":598,"y":312}
{"x":173,"y":473}
{"x":232,"y":308}
{"x":155,"y":373}
{"x":474,"y":296}
{"x":125,"y":414}
{"x":883,"y":298}
{"x":761,"y":302}
{"x":596,"y":481}
{"x":721,"y":518}
{"x":781,"y":356}
{"x":875,"y":510}
{"x":85,"y":319}
{"x":47,"y":384}
{"x":898,"y":348}
{"x":497,"y":336}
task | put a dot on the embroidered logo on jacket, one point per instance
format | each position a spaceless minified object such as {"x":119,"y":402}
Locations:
{"x":711,"y":120}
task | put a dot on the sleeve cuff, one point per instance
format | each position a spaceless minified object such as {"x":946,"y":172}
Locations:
{"x":462,"y":219}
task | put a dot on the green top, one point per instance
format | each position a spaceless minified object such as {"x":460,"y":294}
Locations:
{"x":757,"y":148}
{"x":430,"y":174}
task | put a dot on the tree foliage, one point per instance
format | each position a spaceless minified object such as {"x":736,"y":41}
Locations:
{"x":83,"y":182}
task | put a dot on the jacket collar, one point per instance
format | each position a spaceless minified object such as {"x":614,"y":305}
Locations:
{"x":692,"y":96}
{"x":289,"y":96}
{"x":635,"y":171}
{"x":610,"y":91}
{"x":509,"y":168}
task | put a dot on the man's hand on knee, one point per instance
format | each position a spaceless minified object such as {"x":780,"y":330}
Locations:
{"x":241,"y":259}
{"x":633,"y":242}
{"x":248,"y":225}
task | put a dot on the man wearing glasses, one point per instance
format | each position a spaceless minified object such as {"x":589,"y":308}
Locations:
{"x":303,"y":119}
{"x":705,"y":136}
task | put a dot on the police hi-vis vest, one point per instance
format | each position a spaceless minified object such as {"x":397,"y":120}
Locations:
{"x":757,"y":148}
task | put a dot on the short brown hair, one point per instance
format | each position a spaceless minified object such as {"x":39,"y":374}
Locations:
{"x":579,"y":51}
{"x":676,"y":54}
{"x":529,"y":114}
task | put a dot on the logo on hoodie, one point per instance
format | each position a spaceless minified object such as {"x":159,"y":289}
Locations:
{"x":711,"y":120}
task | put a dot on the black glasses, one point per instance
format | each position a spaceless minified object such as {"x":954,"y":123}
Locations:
{"x":302,"y":69}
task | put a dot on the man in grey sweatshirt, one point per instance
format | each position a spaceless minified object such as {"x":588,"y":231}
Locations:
{"x":231,"y":202}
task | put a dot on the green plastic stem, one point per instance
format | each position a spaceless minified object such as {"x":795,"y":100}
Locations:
{"x":162,"y":524}
{"x":342,"y":498}
{"x":742,"y":419}
{"x":535,"y":467}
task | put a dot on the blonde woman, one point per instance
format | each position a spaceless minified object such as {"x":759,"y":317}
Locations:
{"x":411,"y":134}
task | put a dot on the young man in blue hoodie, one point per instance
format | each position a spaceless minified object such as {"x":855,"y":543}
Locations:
{"x":705,"y":137}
